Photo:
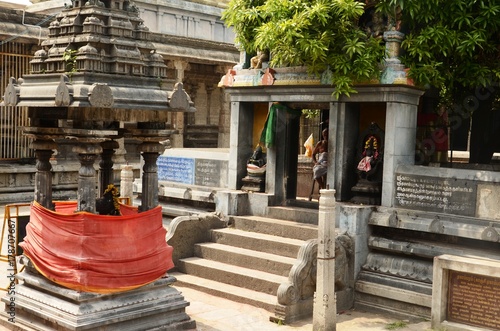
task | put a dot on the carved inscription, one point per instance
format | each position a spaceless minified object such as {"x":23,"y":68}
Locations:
{"x":453,"y":196}
{"x":474,"y":300}
{"x":176,"y":169}
{"x":207,"y":172}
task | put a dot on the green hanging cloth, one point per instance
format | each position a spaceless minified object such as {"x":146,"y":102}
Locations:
{"x":268,"y":132}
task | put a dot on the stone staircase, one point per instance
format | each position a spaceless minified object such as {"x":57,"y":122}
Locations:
{"x":247,"y":261}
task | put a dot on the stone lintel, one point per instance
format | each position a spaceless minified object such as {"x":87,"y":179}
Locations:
{"x":324,"y":94}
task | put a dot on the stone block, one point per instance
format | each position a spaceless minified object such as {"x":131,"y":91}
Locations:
{"x":231,"y":202}
{"x":488,"y":196}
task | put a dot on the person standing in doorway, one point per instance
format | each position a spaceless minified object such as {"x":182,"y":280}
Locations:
{"x":320,"y":159}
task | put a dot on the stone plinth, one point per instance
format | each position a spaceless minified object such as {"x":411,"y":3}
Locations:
{"x":41,"y":305}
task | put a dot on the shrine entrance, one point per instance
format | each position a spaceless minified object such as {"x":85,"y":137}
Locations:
{"x":395,"y":108}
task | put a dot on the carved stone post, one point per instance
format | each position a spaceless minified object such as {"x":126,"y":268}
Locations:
{"x":106,"y":165}
{"x":394,"y":71}
{"x":325,"y":303}
{"x":43,"y":177}
{"x":86,"y":196}
{"x":178,"y":118}
{"x":127,"y":182}
{"x":150,"y":152}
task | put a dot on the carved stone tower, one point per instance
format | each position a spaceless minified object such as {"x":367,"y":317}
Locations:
{"x":97,"y":68}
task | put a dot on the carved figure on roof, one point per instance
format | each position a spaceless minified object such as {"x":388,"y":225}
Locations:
{"x":257,"y":60}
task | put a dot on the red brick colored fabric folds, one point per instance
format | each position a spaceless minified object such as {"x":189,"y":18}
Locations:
{"x":97,"y":253}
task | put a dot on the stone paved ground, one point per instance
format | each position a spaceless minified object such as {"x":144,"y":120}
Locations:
{"x":217,"y":314}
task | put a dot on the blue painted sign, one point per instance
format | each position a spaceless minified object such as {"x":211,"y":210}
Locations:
{"x":176,"y":169}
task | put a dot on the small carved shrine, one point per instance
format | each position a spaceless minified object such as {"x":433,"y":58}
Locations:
{"x":369,"y":163}
{"x":98,"y":69}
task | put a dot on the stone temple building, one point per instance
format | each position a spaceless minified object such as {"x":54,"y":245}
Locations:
{"x":196,"y":47}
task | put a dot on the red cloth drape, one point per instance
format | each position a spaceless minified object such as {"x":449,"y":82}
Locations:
{"x":97,"y":253}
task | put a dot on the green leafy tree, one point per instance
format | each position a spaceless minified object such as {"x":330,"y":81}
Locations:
{"x":455,"y":45}
{"x":319,"y":34}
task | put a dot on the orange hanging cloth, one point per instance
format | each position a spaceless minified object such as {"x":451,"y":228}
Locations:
{"x":97,"y":253}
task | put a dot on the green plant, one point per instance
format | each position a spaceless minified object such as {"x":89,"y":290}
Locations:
{"x":457,"y":47}
{"x":317,"y":34}
{"x":69,"y":58}
{"x":396,"y":325}
{"x":458,"y":51}
{"x":311,"y":113}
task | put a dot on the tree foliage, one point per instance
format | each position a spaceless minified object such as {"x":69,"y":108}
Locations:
{"x":319,"y":34}
{"x":452,"y":43}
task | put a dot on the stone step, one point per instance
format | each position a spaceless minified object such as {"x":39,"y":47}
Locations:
{"x":394,"y":295}
{"x":298,"y":214}
{"x":255,"y":280}
{"x":275,"y":264}
{"x":257,"y":241}
{"x":403,"y":284}
{"x":276,"y":227}
{"x":401,"y":287}
{"x":230,"y":292}
{"x":398,"y":309}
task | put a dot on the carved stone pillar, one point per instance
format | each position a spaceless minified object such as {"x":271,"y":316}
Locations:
{"x":209,"y":89}
{"x":394,"y":71}
{"x":87,"y":155}
{"x":127,"y":182}
{"x":43,"y":176}
{"x":192,"y":90}
{"x":106,"y":165}
{"x":178,"y":121}
{"x":180,"y":68}
{"x":150,"y":152}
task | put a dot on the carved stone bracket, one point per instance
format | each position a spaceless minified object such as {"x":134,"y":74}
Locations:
{"x":295,"y":298}
{"x":11,"y":97}
{"x":64,"y":92}
{"x":186,"y":231}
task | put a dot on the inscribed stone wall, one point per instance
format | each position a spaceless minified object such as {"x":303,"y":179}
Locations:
{"x":450,"y":191}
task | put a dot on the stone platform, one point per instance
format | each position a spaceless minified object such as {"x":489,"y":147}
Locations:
{"x":43,"y":305}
